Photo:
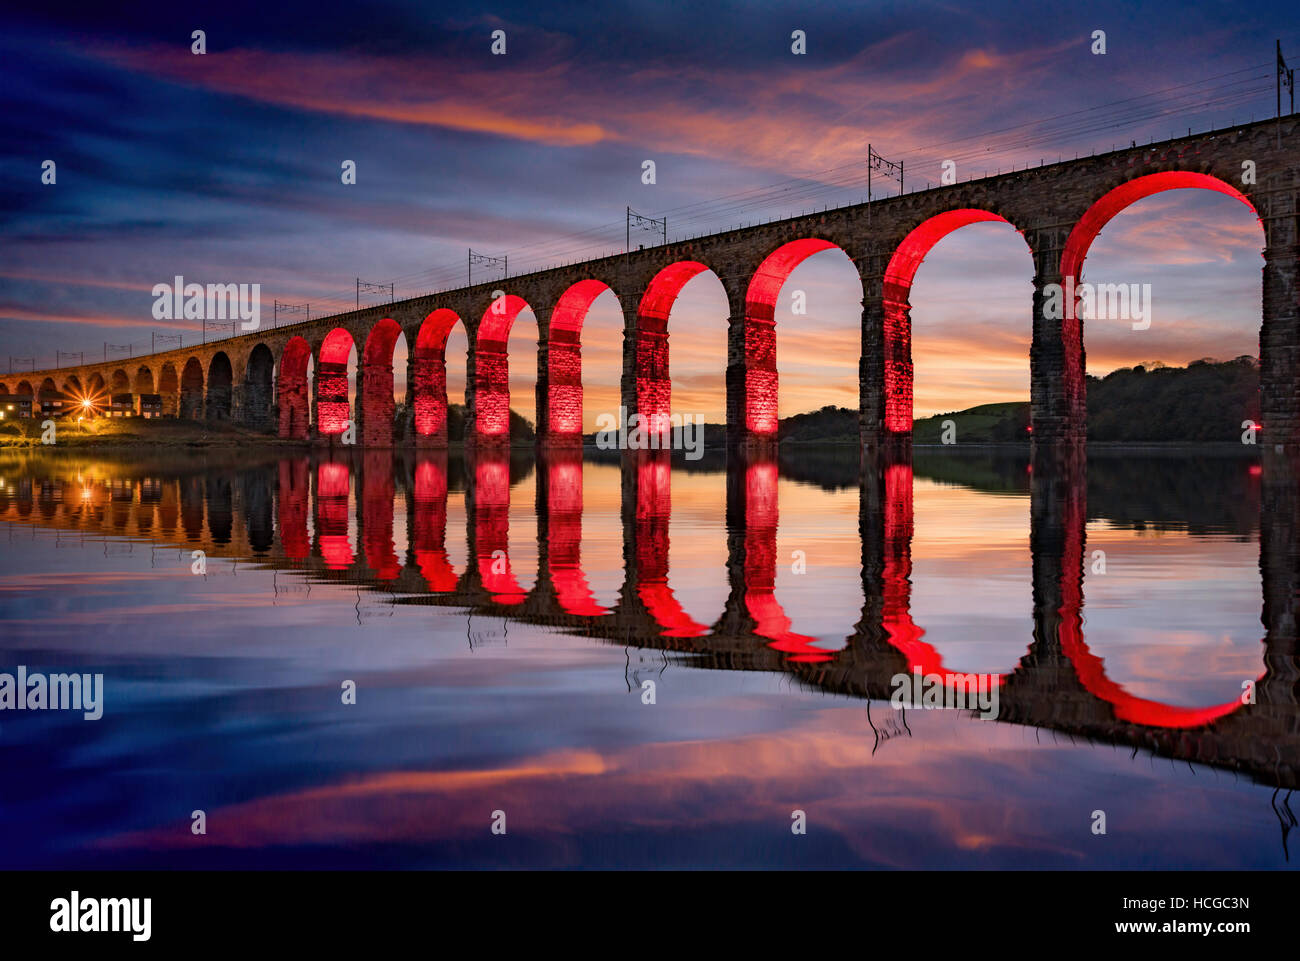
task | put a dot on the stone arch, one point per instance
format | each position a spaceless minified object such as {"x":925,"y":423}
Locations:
{"x":192,"y":389}
{"x":4,"y":390}
{"x":96,"y":389}
{"x":654,"y":387}
{"x":291,"y":389}
{"x":259,"y":389}
{"x":492,"y":369}
{"x":760,"y":378}
{"x":169,"y":387}
{"x":563,"y":394}
{"x":429,"y":380}
{"x":376,"y":402}
{"x":897,"y":319}
{"x":48,"y":390}
{"x":1072,"y":378}
{"x":332,"y":408}
{"x":25,"y":389}
{"x":120,"y":382}
{"x":72,"y":387}
{"x":219,"y":382}
{"x":143,"y":381}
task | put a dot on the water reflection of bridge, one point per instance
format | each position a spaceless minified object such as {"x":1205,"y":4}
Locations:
{"x":263,"y":512}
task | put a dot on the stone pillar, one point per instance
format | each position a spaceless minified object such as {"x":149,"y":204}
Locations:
{"x":1279,"y":563}
{"x":171,"y":401}
{"x":427,"y":395}
{"x":1057,"y":389}
{"x":330,"y":399}
{"x":405,"y":434}
{"x":559,"y":383}
{"x":1279,"y":340}
{"x":885,"y":369}
{"x":628,"y":379}
{"x":871,"y":371}
{"x":487,"y":382}
{"x":292,"y":404}
{"x":374,"y":404}
{"x":737,"y":434}
{"x":752,"y":387}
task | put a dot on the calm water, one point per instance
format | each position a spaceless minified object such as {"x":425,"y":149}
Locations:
{"x":500,"y":619}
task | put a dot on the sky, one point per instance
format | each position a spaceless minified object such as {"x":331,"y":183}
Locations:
{"x":225,"y":167}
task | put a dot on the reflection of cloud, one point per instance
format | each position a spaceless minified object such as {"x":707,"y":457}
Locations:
{"x":741,"y":783}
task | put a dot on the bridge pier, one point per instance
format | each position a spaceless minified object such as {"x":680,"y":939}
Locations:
{"x":1057,"y":384}
{"x":1279,"y":338}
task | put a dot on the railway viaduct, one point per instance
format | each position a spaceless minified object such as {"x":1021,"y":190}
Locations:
{"x":261,"y":378}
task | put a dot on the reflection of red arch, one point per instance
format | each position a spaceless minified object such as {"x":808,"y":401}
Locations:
{"x":291,"y":389}
{"x":904,"y":634}
{"x":1090,"y":668}
{"x":564,"y":360}
{"x":897,"y":308}
{"x":430,"y":374}
{"x":900,"y":630}
{"x":760,"y":330}
{"x":492,"y":367}
{"x":654,"y":386}
{"x":333,"y":481}
{"x":377,"y":499}
{"x":770,"y":619}
{"x":653,"y":512}
{"x":291,"y":504}
{"x":377,"y":403}
{"x":492,"y":527}
{"x":332,"y":411}
{"x":429,"y":539}
{"x":1080,"y":242}
{"x":564,"y":534}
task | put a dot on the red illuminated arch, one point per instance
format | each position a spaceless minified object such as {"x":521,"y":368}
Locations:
{"x":564,"y":361}
{"x":492,"y":368}
{"x":1127,"y":194}
{"x":291,"y":389}
{"x":897,"y":308}
{"x":429,"y":388}
{"x":654,"y":386}
{"x":377,"y":402}
{"x":1080,"y":242}
{"x":760,"y":331}
{"x":332,"y":410}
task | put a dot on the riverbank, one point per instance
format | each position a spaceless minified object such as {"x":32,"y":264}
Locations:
{"x":100,"y":432}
